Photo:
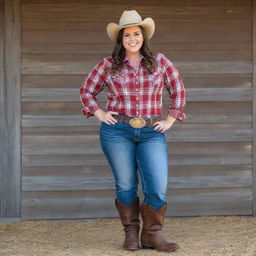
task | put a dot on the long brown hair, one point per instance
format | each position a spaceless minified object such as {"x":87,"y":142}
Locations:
{"x":118,"y":53}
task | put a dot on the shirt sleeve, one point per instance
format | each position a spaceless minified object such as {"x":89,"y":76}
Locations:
{"x":176,"y":90}
{"x":90,"y":87}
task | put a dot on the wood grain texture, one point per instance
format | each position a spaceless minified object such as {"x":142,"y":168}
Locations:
{"x":187,"y":202}
{"x":193,"y":94}
{"x":207,"y":80}
{"x":88,"y":144}
{"x":99,"y":160}
{"x":254,"y":109}
{"x":3,"y":143}
{"x":40,"y":65}
{"x":10,"y":121}
{"x":46,"y":183}
{"x":37,"y":113}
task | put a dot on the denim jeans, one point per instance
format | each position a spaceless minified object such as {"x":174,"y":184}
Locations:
{"x":131,"y":150}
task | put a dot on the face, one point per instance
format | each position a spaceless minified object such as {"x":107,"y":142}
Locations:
{"x":132,"y":39}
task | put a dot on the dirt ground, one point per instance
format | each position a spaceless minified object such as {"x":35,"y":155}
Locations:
{"x":197,"y":236}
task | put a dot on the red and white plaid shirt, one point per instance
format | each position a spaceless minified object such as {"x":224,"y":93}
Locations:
{"x":134,"y":91}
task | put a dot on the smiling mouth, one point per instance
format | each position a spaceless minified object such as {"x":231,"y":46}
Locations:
{"x":132,"y":44}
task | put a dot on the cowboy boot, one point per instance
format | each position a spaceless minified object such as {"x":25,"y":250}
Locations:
{"x":129,"y":216}
{"x":153,"y":221}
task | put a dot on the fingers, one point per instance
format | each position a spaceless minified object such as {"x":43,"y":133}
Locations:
{"x":109,"y":118}
{"x":158,"y":126}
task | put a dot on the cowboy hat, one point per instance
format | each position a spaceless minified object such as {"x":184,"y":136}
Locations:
{"x":128,"y":19}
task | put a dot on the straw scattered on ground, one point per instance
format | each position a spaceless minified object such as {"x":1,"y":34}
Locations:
{"x":197,"y":236}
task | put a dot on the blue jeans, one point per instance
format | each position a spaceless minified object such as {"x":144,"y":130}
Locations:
{"x":129,"y":149}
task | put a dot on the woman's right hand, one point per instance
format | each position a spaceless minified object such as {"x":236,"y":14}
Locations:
{"x":105,"y":117}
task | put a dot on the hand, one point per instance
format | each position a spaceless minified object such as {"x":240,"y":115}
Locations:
{"x":106,"y":117}
{"x":164,"y":125}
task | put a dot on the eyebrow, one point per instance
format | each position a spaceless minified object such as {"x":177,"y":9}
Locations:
{"x":132,"y":32}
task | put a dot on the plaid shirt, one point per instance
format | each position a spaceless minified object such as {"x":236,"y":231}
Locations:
{"x":134,"y":91}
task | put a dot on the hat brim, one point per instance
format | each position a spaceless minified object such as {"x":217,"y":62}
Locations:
{"x":148,"y":24}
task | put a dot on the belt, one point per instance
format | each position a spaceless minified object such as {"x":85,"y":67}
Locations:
{"x":137,"y":122}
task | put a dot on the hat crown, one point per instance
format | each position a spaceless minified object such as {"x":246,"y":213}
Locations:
{"x":130,"y":17}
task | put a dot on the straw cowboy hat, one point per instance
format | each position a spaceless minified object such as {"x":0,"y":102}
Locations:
{"x":128,"y":19}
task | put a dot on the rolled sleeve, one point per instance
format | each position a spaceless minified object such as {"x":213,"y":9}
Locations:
{"x":91,"y":87}
{"x":175,"y":87}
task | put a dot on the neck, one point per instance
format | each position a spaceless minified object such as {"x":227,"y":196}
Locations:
{"x":133,"y":56}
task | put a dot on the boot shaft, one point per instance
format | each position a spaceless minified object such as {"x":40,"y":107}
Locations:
{"x":152,"y":218}
{"x":153,"y":221}
{"x":129,"y":215}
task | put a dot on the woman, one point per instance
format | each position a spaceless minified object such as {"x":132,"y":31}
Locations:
{"x":132,"y":131}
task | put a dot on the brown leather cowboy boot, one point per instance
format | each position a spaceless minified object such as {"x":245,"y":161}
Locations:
{"x":130,"y":219}
{"x":153,"y":221}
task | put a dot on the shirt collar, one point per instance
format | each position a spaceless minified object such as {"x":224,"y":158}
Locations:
{"x":127,"y":60}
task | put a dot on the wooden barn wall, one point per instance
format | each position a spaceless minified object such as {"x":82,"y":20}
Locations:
{"x":10,"y":111}
{"x":64,"y":172}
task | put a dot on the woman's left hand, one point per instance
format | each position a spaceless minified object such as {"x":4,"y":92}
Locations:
{"x":164,"y":125}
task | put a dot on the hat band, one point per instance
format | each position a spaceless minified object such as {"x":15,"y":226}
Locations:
{"x":130,"y":24}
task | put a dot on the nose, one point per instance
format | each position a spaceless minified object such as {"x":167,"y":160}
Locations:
{"x":132,"y":40}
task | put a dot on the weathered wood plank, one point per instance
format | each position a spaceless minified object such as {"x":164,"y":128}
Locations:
{"x":207,"y":80}
{"x":43,"y":144}
{"x":214,"y":135}
{"x":180,"y":55}
{"x":79,"y":120}
{"x":94,"y":36}
{"x":107,"y":47}
{"x":90,"y":12}
{"x":53,"y":120}
{"x":10,"y":171}
{"x":199,"y":112}
{"x":80,"y":24}
{"x":236,"y":201}
{"x":219,"y":94}
{"x":94,"y":129}
{"x":45,"y":183}
{"x":99,"y":160}
{"x":193,"y":94}
{"x":105,"y":171}
{"x":254,"y":108}
{"x":37,"y":66}
{"x":185,"y":134}
{"x":89,"y":144}
{"x":86,"y":204}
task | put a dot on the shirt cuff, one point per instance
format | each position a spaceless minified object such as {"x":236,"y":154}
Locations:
{"x":88,"y":111}
{"x":179,"y":115}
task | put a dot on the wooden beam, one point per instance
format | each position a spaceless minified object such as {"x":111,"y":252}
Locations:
{"x":254,"y":106}
{"x":2,"y":82}
{"x":10,"y":110}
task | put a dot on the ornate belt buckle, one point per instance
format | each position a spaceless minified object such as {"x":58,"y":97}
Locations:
{"x":137,"y":122}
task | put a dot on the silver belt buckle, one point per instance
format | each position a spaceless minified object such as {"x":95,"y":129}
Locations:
{"x":137,"y":122}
